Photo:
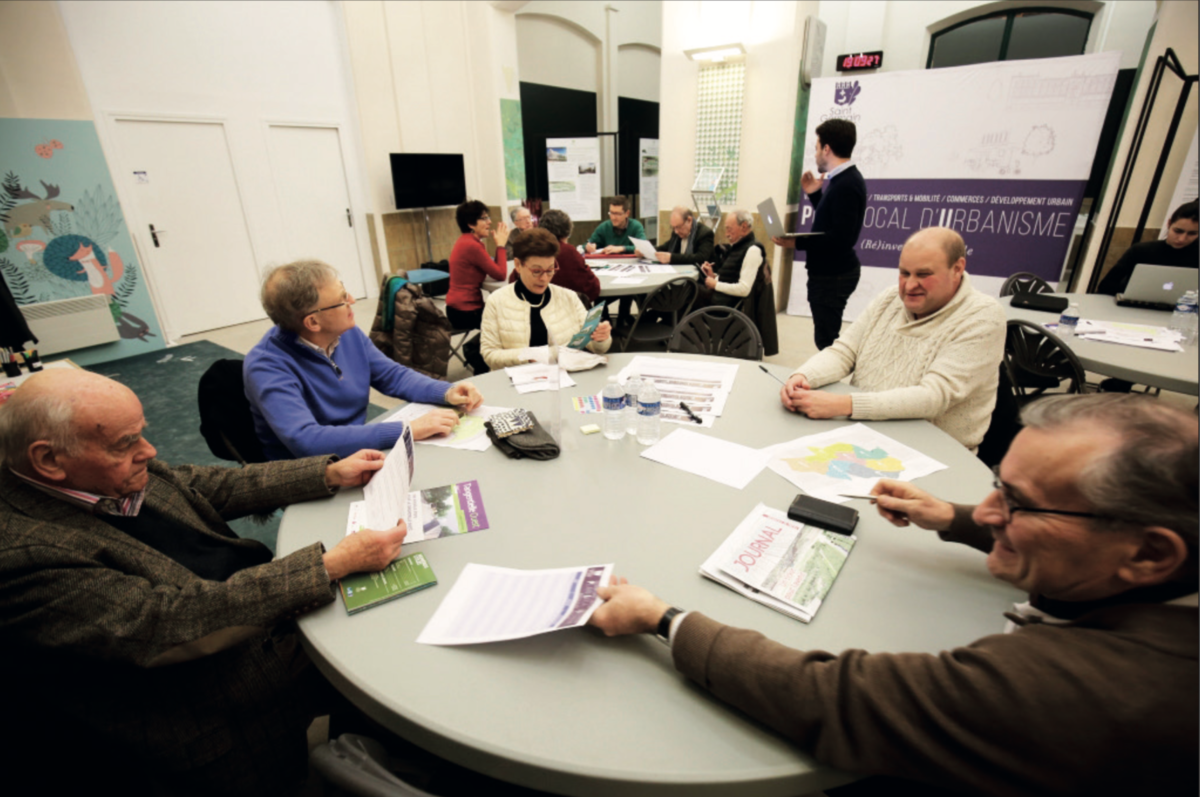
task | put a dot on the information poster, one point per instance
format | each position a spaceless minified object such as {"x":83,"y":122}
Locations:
{"x":573,"y":171}
{"x":1000,"y":152}
{"x":648,"y":186}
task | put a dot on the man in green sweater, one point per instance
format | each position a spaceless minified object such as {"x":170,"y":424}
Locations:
{"x":1090,"y":689}
{"x":612,"y":237}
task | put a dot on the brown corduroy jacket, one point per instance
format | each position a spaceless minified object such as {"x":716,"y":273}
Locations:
{"x":1103,"y":704}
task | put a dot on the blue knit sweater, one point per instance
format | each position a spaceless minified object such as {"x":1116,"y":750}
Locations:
{"x":305,"y":403}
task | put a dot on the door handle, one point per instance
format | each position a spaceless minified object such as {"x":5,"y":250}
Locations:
{"x":154,"y":236}
{"x":349,"y":220}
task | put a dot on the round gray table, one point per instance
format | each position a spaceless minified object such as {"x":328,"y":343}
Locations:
{"x":649,"y":281}
{"x":576,"y":713}
{"x":1169,"y":370}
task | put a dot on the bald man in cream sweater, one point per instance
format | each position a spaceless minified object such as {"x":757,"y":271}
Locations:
{"x":930,"y":348}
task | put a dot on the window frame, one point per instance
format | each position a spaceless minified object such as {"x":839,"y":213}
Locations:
{"x":1010,"y":16}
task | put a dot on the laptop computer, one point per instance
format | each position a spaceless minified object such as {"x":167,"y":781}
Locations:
{"x":774,"y":222}
{"x":1157,"y":287}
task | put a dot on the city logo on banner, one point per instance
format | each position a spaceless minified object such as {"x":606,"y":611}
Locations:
{"x":846,"y":92}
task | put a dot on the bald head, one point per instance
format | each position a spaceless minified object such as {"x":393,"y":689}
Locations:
{"x":61,"y":406}
{"x":932,"y":264}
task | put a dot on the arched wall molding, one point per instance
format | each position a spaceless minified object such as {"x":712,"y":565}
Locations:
{"x":575,"y":26}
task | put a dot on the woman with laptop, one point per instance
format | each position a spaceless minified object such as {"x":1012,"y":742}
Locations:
{"x":1178,"y":249}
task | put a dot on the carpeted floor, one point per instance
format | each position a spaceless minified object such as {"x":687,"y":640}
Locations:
{"x":167,"y":383}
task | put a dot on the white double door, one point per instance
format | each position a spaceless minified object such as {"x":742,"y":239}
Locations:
{"x":191,"y":222}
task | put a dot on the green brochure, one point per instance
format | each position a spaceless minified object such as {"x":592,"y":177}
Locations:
{"x":583,"y":336}
{"x":402,"y":577}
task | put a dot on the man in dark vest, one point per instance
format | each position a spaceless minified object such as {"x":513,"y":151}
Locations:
{"x":735,"y":270}
{"x":840,"y":199}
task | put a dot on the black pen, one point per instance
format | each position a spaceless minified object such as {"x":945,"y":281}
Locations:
{"x":768,"y":373}
{"x":691,"y":414}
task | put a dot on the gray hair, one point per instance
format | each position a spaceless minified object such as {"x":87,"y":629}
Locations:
{"x":292,"y":291}
{"x":743,"y":217}
{"x":25,"y":419}
{"x":1151,"y":477}
{"x":515,"y":211}
{"x":684,"y":214}
{"x":557,"y":223}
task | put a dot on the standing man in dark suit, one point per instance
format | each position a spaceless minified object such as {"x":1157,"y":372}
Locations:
{"x":690,"y":244}
{"x":840,"y":199}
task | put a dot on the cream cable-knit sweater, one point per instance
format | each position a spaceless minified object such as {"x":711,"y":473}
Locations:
{"x":505,"y":329}
{"x":944,"y":367}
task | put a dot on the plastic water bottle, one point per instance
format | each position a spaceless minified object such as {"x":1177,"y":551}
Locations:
{"x":1183,"y":320}
{"x":649,"y":406}
{"x":614,"y":409}
{"x":633,"y":387}
{"x":1068,"y":321}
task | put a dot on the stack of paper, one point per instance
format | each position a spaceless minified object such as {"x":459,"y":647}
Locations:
{"x":537,"y":376}
{"x":780,"y":563}
{"x":1145,"y":336}
{"x":703,"y":386}
{"x":849,"y":459}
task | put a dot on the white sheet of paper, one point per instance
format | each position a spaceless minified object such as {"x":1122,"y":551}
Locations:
{"x":703,"y":386}
{"x":849,"y":459}
{"x":537,"y":376}
{"x":719,"y":460}
{"x":628,"y":281}
{"x":468,"y":435}
{"x":644,"y":248}
{"x":493,"y":604}
{"x":1144,"y":336}
{"x":387,"y":493}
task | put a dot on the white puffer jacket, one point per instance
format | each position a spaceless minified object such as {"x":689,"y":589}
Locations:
{"x":505,"y":329}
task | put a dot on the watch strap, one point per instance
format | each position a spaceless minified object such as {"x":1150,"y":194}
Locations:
{"x":664,"y":623}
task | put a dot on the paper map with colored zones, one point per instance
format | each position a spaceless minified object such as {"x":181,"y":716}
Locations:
{"x":849,"y":459}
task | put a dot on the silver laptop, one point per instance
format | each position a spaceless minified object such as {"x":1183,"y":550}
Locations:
{"x":1157,"y":286}
{"x":774,"y":222}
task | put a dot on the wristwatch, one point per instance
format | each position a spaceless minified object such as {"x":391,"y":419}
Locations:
{"x":664,"y":624}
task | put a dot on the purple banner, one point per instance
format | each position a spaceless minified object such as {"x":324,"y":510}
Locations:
{"x":470,"y":503}
{"x":1008,"y":225}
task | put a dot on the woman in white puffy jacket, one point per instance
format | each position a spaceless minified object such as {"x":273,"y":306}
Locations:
{"x":526,"y":313}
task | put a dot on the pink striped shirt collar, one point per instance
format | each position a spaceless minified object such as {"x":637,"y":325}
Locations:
{"x":128,"y":506}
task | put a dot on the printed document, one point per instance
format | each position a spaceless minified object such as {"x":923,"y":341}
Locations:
{"x":537,"y":376}
{"x":434,"y":512}
{"x":493,"y":604}
{"x":719,"y":460}
{"x":703,"y":386}
{"x":386,"y":495}
{"x":849,"y":459}
{"x":780,"y":563}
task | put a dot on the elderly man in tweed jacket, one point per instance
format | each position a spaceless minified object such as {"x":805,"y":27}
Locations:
{"x":134,"y":616}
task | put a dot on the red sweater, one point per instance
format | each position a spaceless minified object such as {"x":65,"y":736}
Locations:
{"x":469,"y":267}
{"x":573,"y":273}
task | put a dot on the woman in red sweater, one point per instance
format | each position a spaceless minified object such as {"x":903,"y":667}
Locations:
{"x":470,"y":265}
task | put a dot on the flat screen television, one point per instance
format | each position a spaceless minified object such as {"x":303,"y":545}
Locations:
{"x":428,"y":180}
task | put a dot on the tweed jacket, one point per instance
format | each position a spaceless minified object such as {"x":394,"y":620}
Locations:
{"x":505,"y":329}
{"x":117,"y":638}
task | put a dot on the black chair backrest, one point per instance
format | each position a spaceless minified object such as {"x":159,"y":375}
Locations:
{"x":674,"y":297}
{"x":1004,"y":425}
{"x":1032,"y":350}
{"x":225,"y":420}
{"x":722,"y":331}
{"x":1024,"y":282}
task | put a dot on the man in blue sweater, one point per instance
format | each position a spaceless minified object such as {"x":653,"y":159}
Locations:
{"x":309,"y":379}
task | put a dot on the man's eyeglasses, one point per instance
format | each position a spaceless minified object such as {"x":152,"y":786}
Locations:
{"x":542,"y":272}
{"x":1011,"y":506}
{"x":345,"y":301}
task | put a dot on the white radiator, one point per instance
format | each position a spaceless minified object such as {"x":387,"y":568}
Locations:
{"x":69,"y":324}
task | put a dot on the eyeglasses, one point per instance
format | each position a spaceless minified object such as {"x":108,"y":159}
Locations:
{"x":617,"y":214}
{"x":346,"y":299}
{"x":1011,"y":506}
{"x":541,"y":272}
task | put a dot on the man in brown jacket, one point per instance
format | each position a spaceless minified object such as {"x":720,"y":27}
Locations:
{"x":1092,"y":689}
{"x":134,"y":621}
